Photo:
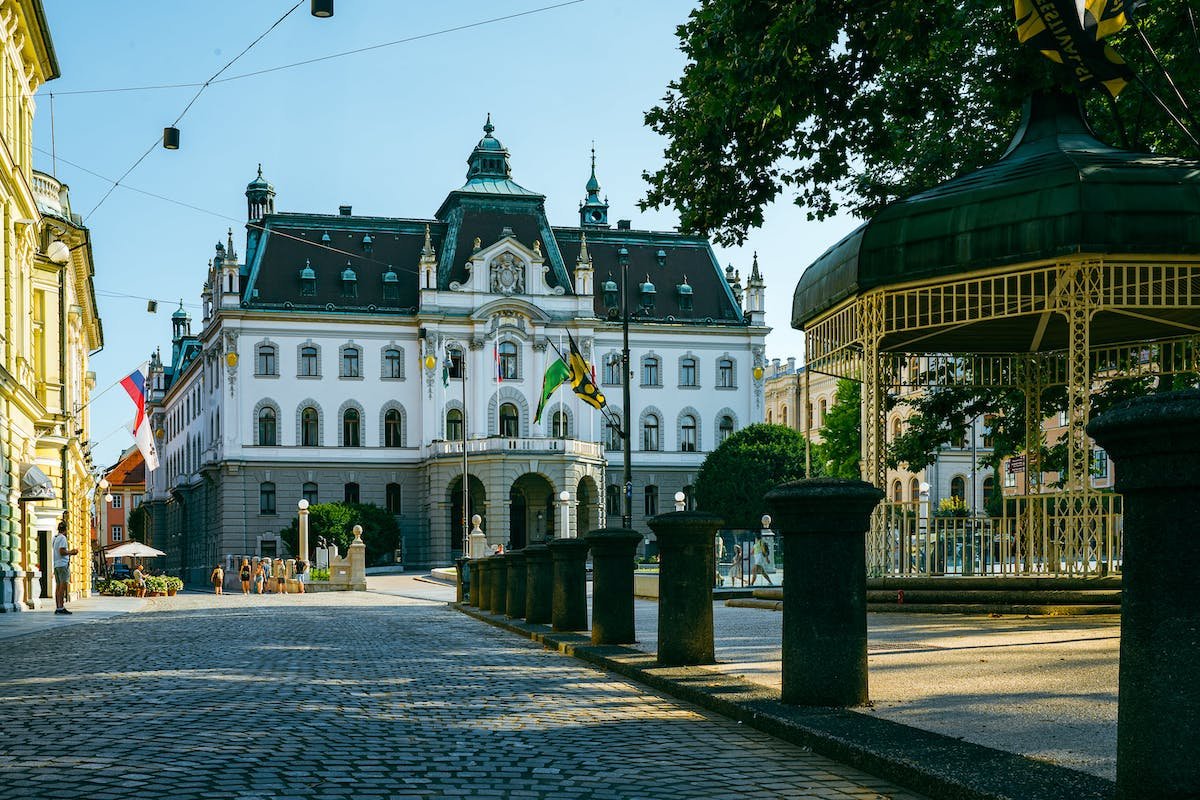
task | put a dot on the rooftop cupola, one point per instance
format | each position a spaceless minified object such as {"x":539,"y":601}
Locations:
{"x":308,"y":280}
{"x":226,"y":265}
{"x":489,"y":159}
{"x":593,"y":212}
{"x":260,"y":198}
{"x":756,"y":295}
{"x":648,"y":293}
{"x":181,"y":324}
{"x":686,"y":295}
{"x":391,"y":284}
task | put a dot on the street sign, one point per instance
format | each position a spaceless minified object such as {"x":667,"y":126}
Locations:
{"x":1015,"y":464}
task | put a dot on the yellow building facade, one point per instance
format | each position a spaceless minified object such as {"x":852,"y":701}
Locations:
{"x":50,"y":328}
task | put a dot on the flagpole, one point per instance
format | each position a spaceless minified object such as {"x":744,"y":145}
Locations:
{"x":466,"y":515}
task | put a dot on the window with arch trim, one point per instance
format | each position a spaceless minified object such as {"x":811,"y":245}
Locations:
{"x":351,"y":428}
{"x":651,"y":372}
{"x":612,"y":433}
{"x":822,"y":407}
{"x":687,"y":434}
{"x":558,"y":425}
{"x":914,"y":490}
{"x":266,"y":498}
{"x":351,"y":362}
{"x":958,"y":487}
{"x":454,"y":425}
{"x":393,"y":364}
{"x":725,"y":374}
{"x":897,"y":491}
{"x":724,"y":428}
{"x":509,"y":420}
{"x":612,"y":370}
{"x":783,"y":416}
{"x":268,"y":427}
{"x":688,"y":372}
{"x":650,"y":434}
{"x":310,"y":362}
{"x":309,"y":427}
{"x":265,"y":361}
{"x":393,"y":428}
{"x":897,"y":428}
{"x":507,"y":353}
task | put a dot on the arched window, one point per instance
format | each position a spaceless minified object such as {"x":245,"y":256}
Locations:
{"x":454,"y":425}
{"x":783,"y":416}
{"x":650,"y":431}
{"x":769,"y":419}
{"x":821,"y":409}
{"x":725,"y":373}
{"x":350,"y":428}
{"x":393,"y":430}
{"x":989,"y":487}
{"x":508,"y":361}
{"x":612,"y":433}
{"x":266,"y":498}
{"x":897,"y":428}
{"x":897,"y":491}
{"x":509,"y":421}
{"x":558,"y":425}
{"x":351,"y":362}
{"x":393,"y":364}
{"x":350,"y":493}
{"x":309,"y":493}
{"x":958,"y":487}
{"x":265,"y":362}
{"x":394,"y":497}
{"x":612,"y":500}
{"x":650,"y":372}
{"x":651,"y":505}
{"x":914,"y":490}
{"x":308,"y":427}
{"x":724,"y":428}
{"x":687,"y":372}
{"x":687,"y":434}
{"x":456,"y":363}
{"x":310,"y":364}
{"x":267,"y":427}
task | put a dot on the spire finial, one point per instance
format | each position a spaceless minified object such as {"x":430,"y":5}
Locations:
{"x":584,"y":258}
{"x":427,"y":249}
{"x":488,"y":127}
{"x":260,"y":169}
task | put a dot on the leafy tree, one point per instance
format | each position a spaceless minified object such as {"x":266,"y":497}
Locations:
{"x":856,"y":104}
{"x":138,"y":519}
{"x":336,"y":521}
{"x":736,"y":476}
{"x":840,"y":450}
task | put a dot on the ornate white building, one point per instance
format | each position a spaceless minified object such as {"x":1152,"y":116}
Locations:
{"x":345,"y":356}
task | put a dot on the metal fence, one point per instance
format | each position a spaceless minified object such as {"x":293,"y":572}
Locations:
{"x":1064,"y":535}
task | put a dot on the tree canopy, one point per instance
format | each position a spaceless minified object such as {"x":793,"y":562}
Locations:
{"x":736,"y":476}
{"x":336,"y":521}
{"x":840,"y":450}
{"x":852,"y":105}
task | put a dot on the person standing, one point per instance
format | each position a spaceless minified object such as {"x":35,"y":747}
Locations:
{"x":301,"y":574}
{"x":259,"y":577}
{"x":759,"y":562}
{"x":62,"y":567}
{"x":139,"y":579}
{"x":736,"y":575}
{"x":244,"y":575}
{"x":217,"y":578}
{"x":280,"y":570}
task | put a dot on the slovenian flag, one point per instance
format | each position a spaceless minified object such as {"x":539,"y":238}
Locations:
{"x":135,"y":386}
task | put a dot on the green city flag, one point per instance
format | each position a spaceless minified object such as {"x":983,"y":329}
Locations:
{"x":556,"y":374}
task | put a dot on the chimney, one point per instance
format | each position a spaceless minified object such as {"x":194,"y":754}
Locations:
{"x":774,"y":366}
{"x":623,"y":224}
{"x":791,"y":364}
{"x":345,"y":210}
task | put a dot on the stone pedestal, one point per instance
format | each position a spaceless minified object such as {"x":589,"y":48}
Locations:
{"x":569,"y":611}
{"x":499,"y":584}
{"x":1155,"y":444}
{"x":613,"y":550}
{"x":539,"y":584}
{"x":462,"y":586}
{"x":824,"y":523}
{"x":356,"y":554}
{"x":514,"y":605}
{"x":685,"y":580}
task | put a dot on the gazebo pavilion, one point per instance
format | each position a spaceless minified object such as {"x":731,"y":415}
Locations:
{"x":1066,"y":262}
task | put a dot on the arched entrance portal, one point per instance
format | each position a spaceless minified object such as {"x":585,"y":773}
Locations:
{"x":478,"y":505}
{"x":586,"y":495}
{"x":531,"y":510}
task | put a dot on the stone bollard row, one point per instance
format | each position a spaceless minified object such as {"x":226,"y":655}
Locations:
{"x":613,"y":550}
{"x":539,"y":584}
{"x":685,"y":581}
{"x":479,"y":593}
{"x":499,"y":586}
{"x":462,"y":571}
{"x":514,"y":604}
{"x":569,"y":595}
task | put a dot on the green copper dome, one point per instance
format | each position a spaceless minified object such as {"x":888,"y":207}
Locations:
{"x":1057,"y":191}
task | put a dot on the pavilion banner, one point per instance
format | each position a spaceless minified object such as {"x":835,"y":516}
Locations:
{"x":135,"y":386}
{"x":1056,"y":28}
{"x":557,"y":374}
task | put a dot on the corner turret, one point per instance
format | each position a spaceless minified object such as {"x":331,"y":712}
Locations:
{"x":593,"y":212}
{"x":756,"y":295}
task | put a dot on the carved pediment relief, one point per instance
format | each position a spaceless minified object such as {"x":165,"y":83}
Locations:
{"x":506,"y":274}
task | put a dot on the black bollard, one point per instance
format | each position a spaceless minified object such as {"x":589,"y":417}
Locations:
{"x":483,"y":595}
{"x":499,"y":588}
{"x":685,"y":584}
{"x":824,"y":522}
{"x":463,"y":584}
{"x":539,"y":584}
{"x":613,"y":550}
{"x":1155,"y":444}
{"x":569,"y":609}
{"x":514,"y":605}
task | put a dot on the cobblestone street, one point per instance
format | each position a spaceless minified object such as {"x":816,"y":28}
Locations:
{"x":360,"y":695}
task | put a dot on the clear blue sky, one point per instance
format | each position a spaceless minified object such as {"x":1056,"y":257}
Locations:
{"x":387,"y":131}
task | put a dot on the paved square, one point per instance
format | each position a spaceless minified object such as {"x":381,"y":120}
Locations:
{"x":363,"y":696}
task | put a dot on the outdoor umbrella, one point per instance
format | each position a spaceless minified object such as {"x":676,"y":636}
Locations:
{"x":133,"y":550}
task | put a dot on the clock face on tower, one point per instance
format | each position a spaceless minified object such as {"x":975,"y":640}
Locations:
{"x":596,"y":216}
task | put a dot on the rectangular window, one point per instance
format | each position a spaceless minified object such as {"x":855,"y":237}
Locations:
{"x":1010,"y":479}
{"x":266,"y":498}
{"x":350,"y":365}
{"x":117,"y":500}
{"x":687,"y":372}
{"x":612,"y":370}
{"x":650,"y":372}
{"x":725,"y":374}
{"x":117,"y":533}
{"x":651,"y":501}
{"x":456,"y":364}
{"x":266,"y":362}
{"x":1099,"y":463}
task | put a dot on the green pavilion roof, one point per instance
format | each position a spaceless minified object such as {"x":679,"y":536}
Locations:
{"x":1056,"y":191}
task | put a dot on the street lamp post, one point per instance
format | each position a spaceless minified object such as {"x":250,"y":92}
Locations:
{"x":565,"y":497}
{"x":303,"y":538}
{"x":626,"y":438}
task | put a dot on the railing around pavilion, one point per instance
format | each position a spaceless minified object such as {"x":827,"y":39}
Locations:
{"x":518,"y":444}
{"x":1060,"y":535}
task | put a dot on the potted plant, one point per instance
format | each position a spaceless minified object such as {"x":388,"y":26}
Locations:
{"x":131,"y":588}
{"x":173,"y":585}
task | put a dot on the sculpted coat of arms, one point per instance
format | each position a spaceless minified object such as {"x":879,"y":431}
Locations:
{"x":507,"y":275}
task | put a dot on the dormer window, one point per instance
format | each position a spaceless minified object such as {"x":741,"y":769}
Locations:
{"x":308,"y":280}
{"x":391,"y":285}
{"x":611,"y":297}
{"x":368,"y":244}
{"x":661,"y":258}
{"x":648,"y":291}
{"x":349,"y":282}
{"x":684,"y":291}
{"x":326,"y":239}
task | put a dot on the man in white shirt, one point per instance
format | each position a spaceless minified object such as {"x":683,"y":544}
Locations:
{"x":62,"y":567}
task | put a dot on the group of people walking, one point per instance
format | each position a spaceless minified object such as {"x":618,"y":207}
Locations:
{"x":264,"y":575}
{"x":761,"y":563}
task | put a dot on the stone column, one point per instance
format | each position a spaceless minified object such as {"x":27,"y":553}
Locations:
{"x":499,"y":587}
{"x":539,"y":584}
{"x":1155,"y":444}
{"x":356,"y":554}
{"x":613,"y":550}
{"x":514,"y":605}
{"x":569,"y":612}
{"x":824,"y":523}
{"x":463,"y":575}
{"x":685,"y":583}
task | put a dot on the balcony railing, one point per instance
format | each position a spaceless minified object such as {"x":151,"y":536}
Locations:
{"x":521,"y":444}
